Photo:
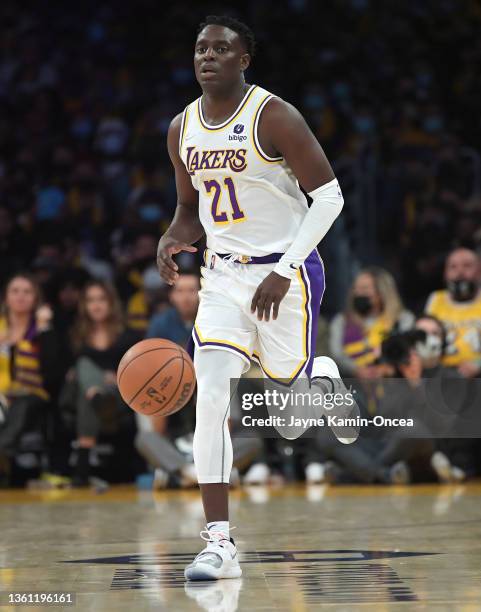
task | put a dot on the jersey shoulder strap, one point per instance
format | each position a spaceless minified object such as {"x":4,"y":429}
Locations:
{"x":183,"y":126}
{"x":262,"y":97}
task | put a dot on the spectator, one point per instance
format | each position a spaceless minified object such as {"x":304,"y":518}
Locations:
{"x":374,"y":307}
{"x":176,"y":322}
{"x":66,"y":297}
{"x":99,"y":341}
{"x":30,"y":362}
{"x":459,"y":308}
{"x":138,"y":255}
{"x":149,"y":300}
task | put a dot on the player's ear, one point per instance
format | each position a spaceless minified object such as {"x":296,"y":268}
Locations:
{"x":245,"y":60}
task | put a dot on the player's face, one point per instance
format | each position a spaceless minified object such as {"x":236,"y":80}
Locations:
{"x":462,"y":265}
{"x":185,"y":295}
{"x":97,"y":304}
{"x":20,"y":296}
{"x":219,"y":57}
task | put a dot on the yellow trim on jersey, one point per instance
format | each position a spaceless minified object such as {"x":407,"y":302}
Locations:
{"x":219,"y":341}
{"x":304,"y":360}
{"x":222,"y":126}
{"x":184,"y":128}
{"x":257,"y":149}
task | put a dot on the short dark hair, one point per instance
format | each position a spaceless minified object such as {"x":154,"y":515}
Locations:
{"x":244,"y":32}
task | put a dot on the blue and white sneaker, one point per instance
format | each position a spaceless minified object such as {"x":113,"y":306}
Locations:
{"x":325,"y":375}
{"x":219,"y":559}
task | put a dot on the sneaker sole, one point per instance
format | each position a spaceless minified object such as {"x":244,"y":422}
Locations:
{"x":202,"y":571}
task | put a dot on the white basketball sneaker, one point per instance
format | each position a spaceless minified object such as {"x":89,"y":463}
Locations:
{"x":215,"y":596}
{"x":325,"y":375}
{"x":219,"y":559}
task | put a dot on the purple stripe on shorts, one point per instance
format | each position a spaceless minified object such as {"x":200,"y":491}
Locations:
{"x":315,"y":273}
{"x":314,"y":284}
{"x":219,"y":343}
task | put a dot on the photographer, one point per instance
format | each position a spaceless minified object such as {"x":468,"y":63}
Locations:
{"x":412,"y":355}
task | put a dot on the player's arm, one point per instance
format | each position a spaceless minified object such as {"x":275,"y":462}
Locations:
{"x":185,"y":227}
{"x":283,"y":132}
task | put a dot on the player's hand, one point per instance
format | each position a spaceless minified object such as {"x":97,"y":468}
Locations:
{"x":269,"y":294}
{"x":167,"y":267}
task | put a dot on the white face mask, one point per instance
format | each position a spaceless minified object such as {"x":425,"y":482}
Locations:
{"x":430,"y":349}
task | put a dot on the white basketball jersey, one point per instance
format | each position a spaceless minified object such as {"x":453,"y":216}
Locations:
{"x":249,"y":203}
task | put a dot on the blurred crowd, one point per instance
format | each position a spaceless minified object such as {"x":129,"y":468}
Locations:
{"x":86,"y":189}
{"x":58,"y":362}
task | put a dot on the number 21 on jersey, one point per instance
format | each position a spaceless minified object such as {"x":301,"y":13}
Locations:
{"x":214,"y":187}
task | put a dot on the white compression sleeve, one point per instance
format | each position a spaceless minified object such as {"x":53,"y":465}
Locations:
{"x":212,"y":442}
{"x":327,"y":203}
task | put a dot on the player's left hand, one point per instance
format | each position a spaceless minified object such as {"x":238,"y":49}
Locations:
{"x":269,"y":294}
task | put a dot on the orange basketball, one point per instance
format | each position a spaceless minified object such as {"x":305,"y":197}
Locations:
{"x":156,"y":377}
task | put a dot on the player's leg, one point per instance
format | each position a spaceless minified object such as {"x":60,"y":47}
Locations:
{"x":326,"y":379}
{"x":286,"y":352}
{"x":213,"y":461}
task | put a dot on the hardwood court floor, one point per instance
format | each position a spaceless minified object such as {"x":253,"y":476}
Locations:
{"x":303,"y":548}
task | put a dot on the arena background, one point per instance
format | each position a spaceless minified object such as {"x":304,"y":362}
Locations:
{"x":87,"y":92}
{"x":96,"y":501}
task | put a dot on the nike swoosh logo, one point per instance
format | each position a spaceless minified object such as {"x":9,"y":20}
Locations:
{"x":293,"y":267}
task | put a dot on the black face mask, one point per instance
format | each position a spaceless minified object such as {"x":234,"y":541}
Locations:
{"x":362,"y":304}
{"x":462,"y":290}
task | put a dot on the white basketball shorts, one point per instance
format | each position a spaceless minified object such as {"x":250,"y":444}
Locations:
{"x":284,"y":348}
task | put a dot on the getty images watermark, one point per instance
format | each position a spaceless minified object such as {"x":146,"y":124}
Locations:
{"x":431,"y":408}
{"x":319,"y":402}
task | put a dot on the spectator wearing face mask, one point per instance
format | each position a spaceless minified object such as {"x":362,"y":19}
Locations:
{"x":374,"y":307}
{"x":431,"y":349}
{"x":459,"y":308}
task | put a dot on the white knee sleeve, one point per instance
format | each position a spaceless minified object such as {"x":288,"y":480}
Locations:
{"x":212,"y":442}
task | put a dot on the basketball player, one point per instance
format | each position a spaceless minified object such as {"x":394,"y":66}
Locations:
{"x":239,"y":155}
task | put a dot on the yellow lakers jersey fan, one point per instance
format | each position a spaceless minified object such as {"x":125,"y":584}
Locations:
{"x":463,"y":327}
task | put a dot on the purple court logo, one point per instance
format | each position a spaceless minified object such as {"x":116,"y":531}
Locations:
{"x":237,"y":135}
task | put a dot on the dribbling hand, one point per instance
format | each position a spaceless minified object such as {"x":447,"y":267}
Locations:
{"x":167,"y":267}
{"x":269,"y":294}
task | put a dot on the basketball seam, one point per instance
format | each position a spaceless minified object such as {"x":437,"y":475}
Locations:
{"x":160,"y":348}
{"x":175,"y":390}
